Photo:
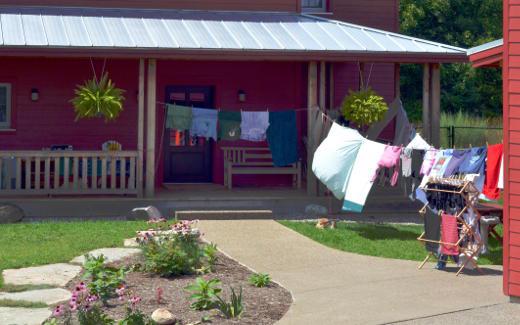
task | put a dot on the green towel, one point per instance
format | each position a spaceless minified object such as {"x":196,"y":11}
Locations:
{"x":229,"y":125}
{"x":178,"y":117}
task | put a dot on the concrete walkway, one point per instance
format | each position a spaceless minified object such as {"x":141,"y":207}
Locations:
{"x":334,"y":287}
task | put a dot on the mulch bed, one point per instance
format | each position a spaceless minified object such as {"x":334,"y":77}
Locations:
{"x":262,"y":305}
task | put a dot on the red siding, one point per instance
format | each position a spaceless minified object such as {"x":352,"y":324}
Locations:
{"x":262,"y":5}
{"x":511,"y":89}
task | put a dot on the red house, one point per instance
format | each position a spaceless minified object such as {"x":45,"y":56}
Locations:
{"x":233,"y":54}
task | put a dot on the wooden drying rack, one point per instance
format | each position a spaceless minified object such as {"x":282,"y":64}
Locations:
{"x":464,"y":185}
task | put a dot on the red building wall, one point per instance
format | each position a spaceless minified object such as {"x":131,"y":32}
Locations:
{"x":511,"y":80}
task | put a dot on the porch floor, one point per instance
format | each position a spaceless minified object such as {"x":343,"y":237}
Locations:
{"x":284,"y":202}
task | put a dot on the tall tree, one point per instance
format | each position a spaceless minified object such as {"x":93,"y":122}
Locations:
{"x":463,"y":23}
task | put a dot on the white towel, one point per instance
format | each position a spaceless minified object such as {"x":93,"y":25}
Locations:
{"x":254,"y":126}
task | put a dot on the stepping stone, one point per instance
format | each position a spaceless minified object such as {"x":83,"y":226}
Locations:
{"x":111,"y":254}
{"x":53,"y":274}
{"x":131,"y":242}
{"x":47,"y":296}
{"x":26,"y":316}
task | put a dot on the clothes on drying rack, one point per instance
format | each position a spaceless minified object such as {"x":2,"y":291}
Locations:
{"x":282,"y":137}
{"x":493,"y":162}
{"x":204,"y":123}
{"x":449,"y":235}
{"x":254,"y":126}
{"x":432,"y":230}
{"x":179,"y":117}
{"x":440,"y":198}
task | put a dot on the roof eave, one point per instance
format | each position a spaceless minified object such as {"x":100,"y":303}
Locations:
{"x":491,"y":57}
{"x":234,"y":55}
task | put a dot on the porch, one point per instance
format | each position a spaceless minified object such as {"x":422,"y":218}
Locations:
{"x":285,"y":61}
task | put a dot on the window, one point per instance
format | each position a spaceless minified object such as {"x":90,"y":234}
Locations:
{"x":5,"y":105}
{"x":314,"y":5}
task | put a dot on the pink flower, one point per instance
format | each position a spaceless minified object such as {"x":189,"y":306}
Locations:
{"x":92,"y":298}
{"x":58,"y":311}
{"x":135,"y":300}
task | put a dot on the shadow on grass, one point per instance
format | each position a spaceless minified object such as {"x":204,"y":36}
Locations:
{"x":378,"y":232}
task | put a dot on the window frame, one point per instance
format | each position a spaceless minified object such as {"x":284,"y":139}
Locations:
{"x":9,"y":104}
{"x":322,"y":9}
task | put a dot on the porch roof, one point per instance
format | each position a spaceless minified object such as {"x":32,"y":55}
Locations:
{"x":194,"y":34}
{"x":487,"y":55}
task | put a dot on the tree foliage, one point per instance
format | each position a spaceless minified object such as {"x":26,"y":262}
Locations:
{"x":463,"y":23}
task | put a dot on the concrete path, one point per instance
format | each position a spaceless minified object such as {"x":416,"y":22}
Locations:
{"x":334,"y":287}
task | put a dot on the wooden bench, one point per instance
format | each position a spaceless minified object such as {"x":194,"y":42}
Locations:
{"x":255,"y":161}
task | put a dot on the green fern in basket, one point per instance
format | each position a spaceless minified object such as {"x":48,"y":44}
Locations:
{"x":98,"y":99}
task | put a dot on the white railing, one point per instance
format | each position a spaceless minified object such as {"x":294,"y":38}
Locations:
{"x":68,"y":172}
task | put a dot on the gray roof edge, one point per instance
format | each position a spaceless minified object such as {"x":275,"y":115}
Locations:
{"x":486,"y":46}
{"x":411,"y":38}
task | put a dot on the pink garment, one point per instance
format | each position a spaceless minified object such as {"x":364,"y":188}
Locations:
{"x":390,"y":159}
{"x":449,"y":234}
{"x":429,"y":160}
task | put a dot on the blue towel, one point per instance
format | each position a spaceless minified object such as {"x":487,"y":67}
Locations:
{"x":204,"y":123}
{"x":282,"y":137}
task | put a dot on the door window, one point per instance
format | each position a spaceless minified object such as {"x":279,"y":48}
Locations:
{"x":5,"y":106}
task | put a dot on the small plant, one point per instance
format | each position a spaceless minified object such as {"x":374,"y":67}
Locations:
{"x":98,"y":99}
{"x":172,"y":255}
{"x":94,"y":316}
{"x":232,"y":309}
{"x":204,"y":293}
{"x":210,"y":252}
{"x":260,"y":280}
{"x":104,"y":280}
{"x":363,"y":107}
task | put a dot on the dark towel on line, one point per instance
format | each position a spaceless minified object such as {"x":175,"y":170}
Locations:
{"x":282,"y":137}
{"x":432,"y":229}
{"x":229,"y":125}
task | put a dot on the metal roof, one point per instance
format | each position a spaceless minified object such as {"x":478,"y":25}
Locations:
{"x":486,"y":46}
{"x":111,"y":29}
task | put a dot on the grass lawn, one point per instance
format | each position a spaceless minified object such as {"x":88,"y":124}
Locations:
{"x":30,"y":244}
{"x":391,"y":241}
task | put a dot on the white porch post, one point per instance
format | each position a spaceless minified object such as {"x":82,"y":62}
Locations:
{"x":312,"y":103}
{"x":151,"y":129}
{"x":397,"y":80}
{"x":323,"y":84}
{"x":140,"y":130}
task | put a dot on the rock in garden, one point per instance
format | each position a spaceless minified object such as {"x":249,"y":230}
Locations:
{"x":53,"y":274}
{"x":111,"y":254}
{"x":316,"y":210}
{"x":10,"y":213}
{"x":163,"y":317}
{"x":145,"y":213}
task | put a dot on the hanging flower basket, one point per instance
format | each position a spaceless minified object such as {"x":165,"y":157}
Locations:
{"x":364,"y":107}
{"x":98,"y":99}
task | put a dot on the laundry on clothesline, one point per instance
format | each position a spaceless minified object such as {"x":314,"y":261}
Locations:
{"x":229,"y":125}
{"x":179,"y":117}
{"x":204,"y":123}
{"x":254,"y":126}
{"x":282,"y":138}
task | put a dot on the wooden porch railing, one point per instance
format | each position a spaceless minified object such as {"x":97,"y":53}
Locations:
{"x":68,"y":172}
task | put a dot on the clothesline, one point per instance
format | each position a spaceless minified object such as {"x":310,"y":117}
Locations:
{"x":253,"y":110}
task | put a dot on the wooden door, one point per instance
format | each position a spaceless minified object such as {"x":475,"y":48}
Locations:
{"x":188,"y":159}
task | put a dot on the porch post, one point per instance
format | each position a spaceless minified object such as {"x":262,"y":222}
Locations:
{"x":331,"y":86}
{"x":435,"y":102}
{"x":312,"y":103}
{"x":140,"y":130}
{"x":397,"y":80}
{"x":426,"y":111}
{"x":323,"y":84}
{"x":150,"y":130}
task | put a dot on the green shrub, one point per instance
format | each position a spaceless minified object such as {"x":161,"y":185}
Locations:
{"x":260,"y":280}
{"x":204,"y":293}
{"x":136,"y":317}
{"x":232,"y":309}
{"x":103,"y":280}
{"x":173,"y":255}
{"x":210,"y":253}
{"x":363,"y":107}
{"x":94,"y":316}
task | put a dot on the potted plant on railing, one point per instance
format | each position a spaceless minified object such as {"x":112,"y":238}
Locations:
{"x":98,"y":99}
{"x":363,"y":108}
